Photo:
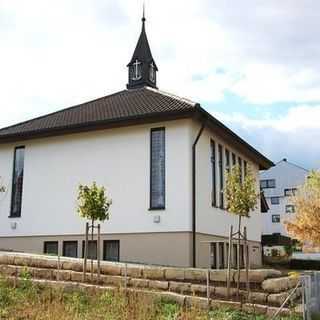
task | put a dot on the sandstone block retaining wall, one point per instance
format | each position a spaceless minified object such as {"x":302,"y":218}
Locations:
{"x":267,"y":285}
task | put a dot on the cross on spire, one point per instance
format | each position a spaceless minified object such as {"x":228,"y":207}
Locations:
{"x":142,"y":67}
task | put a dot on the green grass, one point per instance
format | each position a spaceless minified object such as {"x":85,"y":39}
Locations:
{"x":28,"y":301}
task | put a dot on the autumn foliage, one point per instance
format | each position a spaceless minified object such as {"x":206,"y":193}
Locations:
{"x":305,"y":225}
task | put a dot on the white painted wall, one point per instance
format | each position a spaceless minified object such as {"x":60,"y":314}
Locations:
{"x":119,"y":159}
{"x":212,"y":220}
{"x":287,"y":176}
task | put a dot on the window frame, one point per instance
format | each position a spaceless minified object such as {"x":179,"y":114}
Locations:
{"x":45,"y":243}
{"x":240,"y":168}
{"x":82,"y":249}
{"x":227,"y":159}
{"x":267,"y":183}
{"x":13,"y":188}
{"x":213,"y":160}
{"x":221,"y":176}
{"x":277,"y":202}
{"x":290,"y":206}
{"x":104,"y":256}
{"x":163,"y":207}
{"x":64,"y":243}
{"x":292,"y":192}
{"x":275,"y":216}
{"x":234,"y":159}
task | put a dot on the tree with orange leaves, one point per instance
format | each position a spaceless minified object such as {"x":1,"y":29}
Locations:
{"x":305,"y":225}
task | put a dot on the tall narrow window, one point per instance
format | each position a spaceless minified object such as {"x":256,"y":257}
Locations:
{"x":227,"y":155}
{"x":233,"y":159}
{"x":213,"y":174}
{"x":221,"y":198}
{"x":17,"y":182}
{"x":245,"y":168}
{"x":240,"y":167}
{"x":157,"y":169}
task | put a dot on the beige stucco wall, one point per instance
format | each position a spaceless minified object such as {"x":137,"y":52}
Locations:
{"x":171,"y":248}
{"x":203,"y":250}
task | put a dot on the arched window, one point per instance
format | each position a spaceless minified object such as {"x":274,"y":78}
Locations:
{"x":137,"y":70}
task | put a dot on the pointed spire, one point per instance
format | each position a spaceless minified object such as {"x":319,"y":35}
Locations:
{"x":142,"y":59}
{"x":143,"y":13}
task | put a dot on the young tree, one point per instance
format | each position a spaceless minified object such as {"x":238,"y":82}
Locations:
{"x":305,"y":224}
{"x":94,"y":205}
{"x":241,"y":195}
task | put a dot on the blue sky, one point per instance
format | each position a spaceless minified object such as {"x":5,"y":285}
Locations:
{"x":252,"y":64}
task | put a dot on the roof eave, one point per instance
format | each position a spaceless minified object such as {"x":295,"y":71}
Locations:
{"x":97,"y":125}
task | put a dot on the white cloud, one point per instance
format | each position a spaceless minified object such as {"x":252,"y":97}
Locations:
{"x":295,"y":135}
{"x":54,"y":54}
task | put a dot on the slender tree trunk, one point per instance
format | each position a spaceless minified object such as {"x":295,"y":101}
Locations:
{"x":238,"y":256}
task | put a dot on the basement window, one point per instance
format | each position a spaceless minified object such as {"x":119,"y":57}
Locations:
{"x":50,"y":247}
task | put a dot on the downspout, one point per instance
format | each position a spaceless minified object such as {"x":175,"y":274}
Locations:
{"x":194,"y":194}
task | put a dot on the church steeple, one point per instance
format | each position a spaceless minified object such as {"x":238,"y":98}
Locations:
{"x":142,"y":68}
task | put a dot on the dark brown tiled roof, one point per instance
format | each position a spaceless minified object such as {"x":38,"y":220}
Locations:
{"x":125,"y":108}
{"x":119,"y":106}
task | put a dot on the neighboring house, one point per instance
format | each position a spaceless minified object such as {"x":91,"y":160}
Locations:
{"x":278,"y":184}
{"x":162,"y":159}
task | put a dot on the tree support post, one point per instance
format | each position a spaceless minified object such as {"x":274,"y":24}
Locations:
{"x":92,"y":230}
{"x":229,"y":262}
{"x":98,"y":253}
{"x":246,"y":260}
{"x":85,"y":254}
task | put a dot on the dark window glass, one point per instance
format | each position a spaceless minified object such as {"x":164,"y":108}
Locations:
{"x":227,"y":156}
{"x":50,"y":247}
{"x":276,"y":218}
{"x":17,"y":182}
{"x":271,"y":183}
{"x":221,"y":200}
{"x":92,"y":249}
{"x":263,"y":184}
{"x":240,"y":167}
{"x":233,"y":159}
{"x":213,"y":249}
{"x":227,"y":254}
{"x":234,"y":255}
{"x":221,"y":255}
{"x":290,"y":192}
{"x":245,"y":168}
{"x":111,"y":250}
{"x":157,"y":170}
{"x":241,"y":256}
{"x":213,"y":173}
{"x":275,"y":200}
{"x":70,"y":249}
{"x":290,"y":208}
{"x":267,"y":183}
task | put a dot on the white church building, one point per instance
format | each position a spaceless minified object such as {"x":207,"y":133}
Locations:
{"x":162,"y":159}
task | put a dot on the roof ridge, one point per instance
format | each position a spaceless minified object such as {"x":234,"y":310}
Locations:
{"x":58,"y":111}
{"x":293,"y":164}
{"x":174,"y":96}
